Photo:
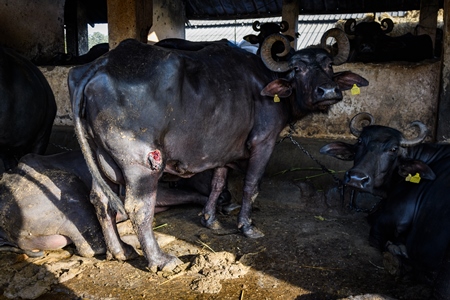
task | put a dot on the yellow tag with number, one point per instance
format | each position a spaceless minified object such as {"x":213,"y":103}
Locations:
{"x":355,"y":90}
{"x":276,"y":98}
{"x":414,"y":179}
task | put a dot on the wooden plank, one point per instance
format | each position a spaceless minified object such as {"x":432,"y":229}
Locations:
{"x":443,"y":125}
{"x":289,"y":13}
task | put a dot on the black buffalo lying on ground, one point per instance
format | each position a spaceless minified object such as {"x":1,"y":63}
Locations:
{"x":27,"y":108}
{"x":371,"y":43}
{"x":413,"y":218}
{"x":44,"y":204}
{"x":142,"y":110}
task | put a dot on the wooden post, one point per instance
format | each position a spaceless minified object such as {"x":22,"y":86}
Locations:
{"x":289,"y":13}
{"x":129,"y":19}
{"x":443,"y":119}
{"x":76,"y":28}
{"x":428,"y":18}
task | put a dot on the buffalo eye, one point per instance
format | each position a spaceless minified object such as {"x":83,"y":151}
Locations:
{"x":393,"y":149}
{"x":300,"y":67}
{"x":359,"y":141}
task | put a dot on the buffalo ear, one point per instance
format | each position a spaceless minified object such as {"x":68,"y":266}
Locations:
{"x":347,"y":79}
{"x":280,"y":87}
{"x":413,"y":166}
{"x":339,"y":150}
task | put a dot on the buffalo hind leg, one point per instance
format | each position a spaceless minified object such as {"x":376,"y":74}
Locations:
{"x":106,"y":215}
{"x":168,"y":197}
{"x":140,"y":202}
{"x":218,"y":183}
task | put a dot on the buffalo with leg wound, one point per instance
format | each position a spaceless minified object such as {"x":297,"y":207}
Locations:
{"x":27,"y":108}
{"x":44,"y":204}
{"x":411,"y":223}
{"x":151,"y":110}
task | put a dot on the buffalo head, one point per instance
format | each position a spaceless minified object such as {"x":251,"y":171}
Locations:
{"x":266,"y":29}
{"x":379,"y":153}
{"x":368,"y":38}
{"x":308,"y":76}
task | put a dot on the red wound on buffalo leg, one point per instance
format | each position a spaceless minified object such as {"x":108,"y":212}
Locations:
{"x":155,"y":159}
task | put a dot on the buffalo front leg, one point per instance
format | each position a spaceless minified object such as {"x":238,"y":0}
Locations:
{"x":107,"y":219}
{"x":140,"y":202}
{"x":218,"y":182}
{"x":255,"y":170}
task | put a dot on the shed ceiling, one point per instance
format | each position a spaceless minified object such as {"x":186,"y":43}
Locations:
{"x":244,"y":9}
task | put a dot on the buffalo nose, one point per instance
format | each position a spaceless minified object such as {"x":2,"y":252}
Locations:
{"x":328,"y":92}
{"x":357,"y":179}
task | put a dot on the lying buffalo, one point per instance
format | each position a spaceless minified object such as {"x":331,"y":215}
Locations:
{"x":27,"y":108}
{"x":44,"y":204}
{"x":142,"y":110}
{"x":411,"y":223}
{"x":371,"y":43}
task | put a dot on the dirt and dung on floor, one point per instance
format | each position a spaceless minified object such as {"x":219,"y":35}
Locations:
{"x":314,"y":247}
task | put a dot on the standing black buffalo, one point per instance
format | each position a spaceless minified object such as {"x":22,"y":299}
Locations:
{"x":371,"y":43}
{"x":144,"y":110}
{"x":413,"y":218}
{"x":27,"y":108}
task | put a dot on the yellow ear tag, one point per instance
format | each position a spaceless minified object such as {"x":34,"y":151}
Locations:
{"x":355,"y":90}
{"x":414,"y":179}
{"x":276,"y":98}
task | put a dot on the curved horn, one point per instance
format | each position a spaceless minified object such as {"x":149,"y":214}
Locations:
{"x":266,"y":53}
{"x":256,"y":26}
{"x":423,"y":131}
{"x":284,"y":26}
{"x":349,"y":26}
{"x":342,"y":42}
{"x":387,"y":25}
{"x":358,"y":120}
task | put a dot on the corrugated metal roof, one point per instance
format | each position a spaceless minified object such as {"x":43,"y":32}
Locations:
{"x":241,"y":9}
{"x":248,"y":9}
{"x":310,"y":27}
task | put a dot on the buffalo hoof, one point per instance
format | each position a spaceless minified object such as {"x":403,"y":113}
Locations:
{"x":20,"y":251}
{"x":251,"y":232}
{"x":229,"y":208}
{"x":397,"y":249}
{"x":392,"y":264}
{"x":167,"y":264}
{"x":126,"y":253}
{"x":210,"y":223}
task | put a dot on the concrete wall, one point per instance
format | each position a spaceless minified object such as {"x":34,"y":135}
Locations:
{"x":57,"y":78}
{"x":397,"y":95}
{"x":28,"y":36}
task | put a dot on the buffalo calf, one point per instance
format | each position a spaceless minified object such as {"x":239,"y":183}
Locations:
{"x":44,"y":204}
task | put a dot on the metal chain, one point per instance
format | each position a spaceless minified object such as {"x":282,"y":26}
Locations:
{"x":324,"y":169}
{"x":352,"y":205}
{"x":62,"y":147}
